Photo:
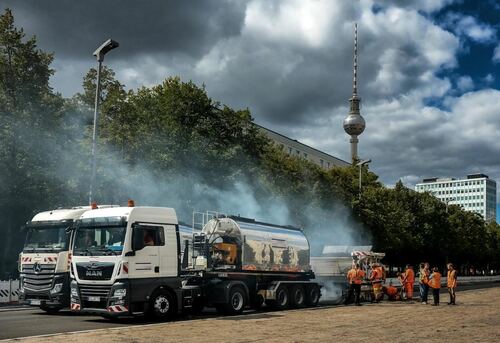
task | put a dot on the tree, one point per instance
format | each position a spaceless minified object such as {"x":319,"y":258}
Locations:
{"x":29,"y":116}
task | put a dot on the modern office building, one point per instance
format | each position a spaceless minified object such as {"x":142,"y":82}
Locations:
{"x":476,"y":193}
{"x":295,"y":148}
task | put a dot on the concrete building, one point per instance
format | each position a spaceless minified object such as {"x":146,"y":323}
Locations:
{"x":476,"y":193}
{"x":295,"y":148}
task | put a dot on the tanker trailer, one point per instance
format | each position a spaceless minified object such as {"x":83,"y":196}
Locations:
{"x":263,"y":262}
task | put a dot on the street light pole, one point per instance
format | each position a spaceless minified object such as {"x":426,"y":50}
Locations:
{"x":99,"y":54}
{"x":361,"y":164}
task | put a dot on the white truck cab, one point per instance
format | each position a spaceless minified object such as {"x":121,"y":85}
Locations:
{"x":124,"y":256}
{"x":45,"y":260}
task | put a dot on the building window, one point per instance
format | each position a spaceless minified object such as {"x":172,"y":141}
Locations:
{"x":328,"y":164}
{"x":298,"y":152}
{"x":305,"y":155}
{"x":290,"y":151}
{"x":321,"y":163}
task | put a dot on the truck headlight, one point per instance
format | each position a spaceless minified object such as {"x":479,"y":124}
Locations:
{"x":57,"y":288}
{"x":120,"y":293}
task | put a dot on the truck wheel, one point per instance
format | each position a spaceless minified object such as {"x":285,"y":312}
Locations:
{"x":282,"y":299}
{"x":298,"y":296}
{"x":51,"y":310}
{"x":236,"y":301}
{"x":161,"y":305}
{"x":312,"y":296}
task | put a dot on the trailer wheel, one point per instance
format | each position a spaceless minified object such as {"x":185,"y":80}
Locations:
{"x":282,"y":299}
{"x":161,"y":305}
{"x":236,"y":301}
{"x":312,"y":296}
{"x":297,"y":296}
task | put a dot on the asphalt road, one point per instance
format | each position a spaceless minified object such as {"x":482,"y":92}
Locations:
{"x":15,"y":323}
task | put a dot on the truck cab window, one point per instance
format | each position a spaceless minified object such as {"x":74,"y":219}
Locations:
{"x":145,"y":236}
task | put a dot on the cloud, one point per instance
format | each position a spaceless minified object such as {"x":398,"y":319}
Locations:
{"x":421,"y":5}
{"x":75,"y":29}
{"x":496,"y":54}
{"x":465,"y":83}
{"x":470,"y":27}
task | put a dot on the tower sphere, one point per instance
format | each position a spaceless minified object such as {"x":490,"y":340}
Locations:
{"x":354,"y":124}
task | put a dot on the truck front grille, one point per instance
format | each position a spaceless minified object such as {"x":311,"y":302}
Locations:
{"x":87,"y":292}
{"x":39,"y":279}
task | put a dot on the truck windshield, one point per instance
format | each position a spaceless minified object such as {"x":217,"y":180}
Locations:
{"x":46,"y":238}
{"x":99,"y":241}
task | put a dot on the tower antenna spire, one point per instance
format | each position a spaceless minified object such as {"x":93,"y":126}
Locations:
{"x":354,"y":123}
{"x":355,"y":64}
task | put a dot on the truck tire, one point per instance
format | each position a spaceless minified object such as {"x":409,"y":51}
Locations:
{"x":161,"y":305}
{"x":236,"y":301}
{"x":297,"y":296}
{"x":312,"y":296}
{"x":282,"y":299}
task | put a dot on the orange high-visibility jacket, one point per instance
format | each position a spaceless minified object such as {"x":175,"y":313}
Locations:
{"x":376,"y":275}
{"x":355,"y":276}
{"x":410,"y":276}
{"x":451,"y":281}
{"x":435,"y":281}
{"x":391,"y":291}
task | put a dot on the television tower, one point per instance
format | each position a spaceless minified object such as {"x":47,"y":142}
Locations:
{"x":354,"y":124}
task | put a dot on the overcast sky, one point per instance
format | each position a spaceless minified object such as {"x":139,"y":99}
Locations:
{"x":428,"y":70}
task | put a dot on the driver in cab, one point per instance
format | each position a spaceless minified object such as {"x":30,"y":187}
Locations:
{"x":148,"y":238}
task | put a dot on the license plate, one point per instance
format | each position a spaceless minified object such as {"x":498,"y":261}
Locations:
{"x":35,"y":302}
{"x":96,"y":299}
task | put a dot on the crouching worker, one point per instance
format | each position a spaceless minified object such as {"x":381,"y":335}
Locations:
{"x":393,"y":293}
{"x":355,"y":277}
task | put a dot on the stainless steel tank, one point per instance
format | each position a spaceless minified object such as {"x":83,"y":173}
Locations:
{"x":262,"y":246}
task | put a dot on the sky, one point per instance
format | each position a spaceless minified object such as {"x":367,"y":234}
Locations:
{"x":428,"y":70}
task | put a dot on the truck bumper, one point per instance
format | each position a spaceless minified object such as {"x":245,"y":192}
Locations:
{"x":47,"y":298}
{"x":110,"y":306}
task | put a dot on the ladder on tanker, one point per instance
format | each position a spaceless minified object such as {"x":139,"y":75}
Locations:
{"x":200,"y":219}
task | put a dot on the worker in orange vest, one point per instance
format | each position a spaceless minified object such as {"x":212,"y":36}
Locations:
{"x":451,"y":283}
{"x":355,"y":277}
{"x":408,"y":281}
{"x":376,"y":277}
{"x":435,"y":284}
{"x":392,"y":292}
{"x":424,"y":282}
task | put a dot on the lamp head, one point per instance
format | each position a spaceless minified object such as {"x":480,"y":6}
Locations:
{"x":362,"y":163}
{"x":105,"y":48}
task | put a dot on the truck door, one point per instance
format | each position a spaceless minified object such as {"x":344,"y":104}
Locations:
{"x":169,"y":253}
{"x":147,"y":238}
